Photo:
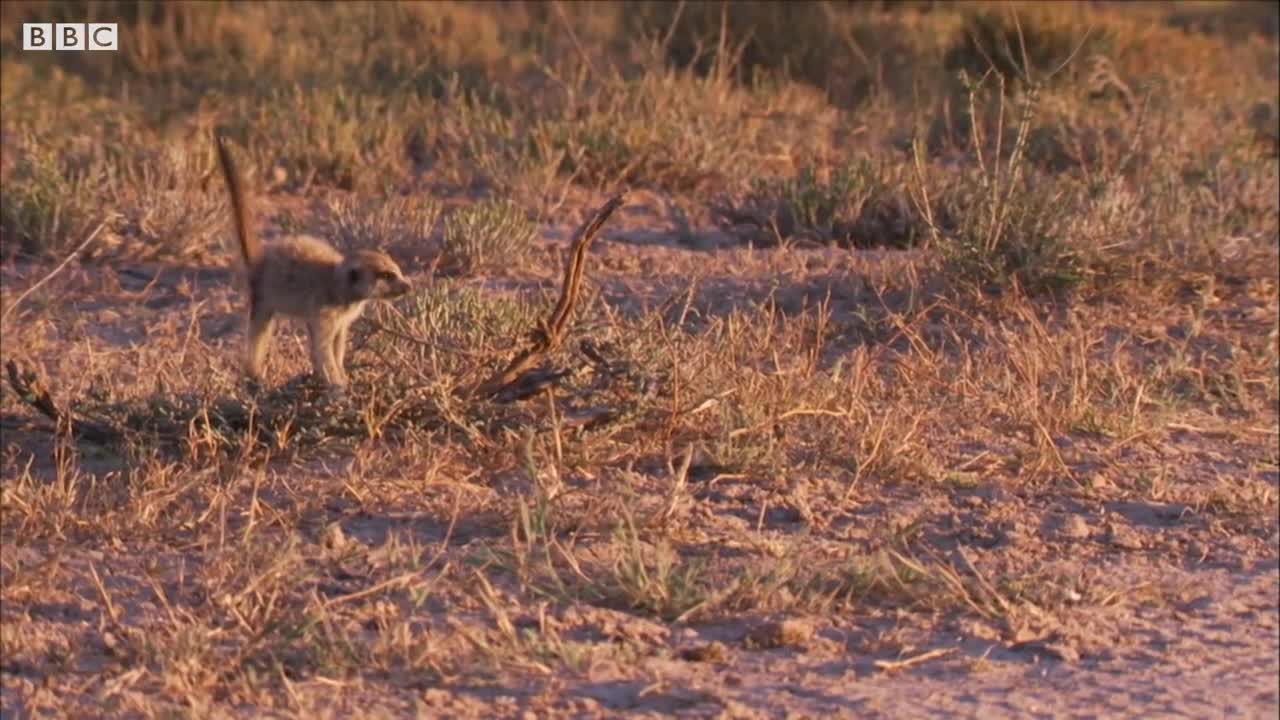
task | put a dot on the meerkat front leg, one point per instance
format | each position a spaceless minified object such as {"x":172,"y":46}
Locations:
{"x":340,"y":350}
{"x":261,"y":324}
{"x":322,"y":360}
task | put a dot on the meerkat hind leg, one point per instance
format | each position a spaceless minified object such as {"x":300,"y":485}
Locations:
{"x":261,"y":325}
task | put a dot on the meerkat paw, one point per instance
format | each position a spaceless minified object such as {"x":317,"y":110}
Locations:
{"x":252,"y":383}
{"x":336,"y":389}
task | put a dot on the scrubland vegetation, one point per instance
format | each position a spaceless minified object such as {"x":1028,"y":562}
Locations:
{"x":934,"y":349}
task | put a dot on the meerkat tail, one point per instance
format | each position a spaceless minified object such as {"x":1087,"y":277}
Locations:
{"x":250,"y":247}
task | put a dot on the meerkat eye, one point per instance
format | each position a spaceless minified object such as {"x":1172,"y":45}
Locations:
{"x":353,"y":276}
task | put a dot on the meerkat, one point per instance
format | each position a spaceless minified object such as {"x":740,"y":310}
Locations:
{"x":304,"y":277}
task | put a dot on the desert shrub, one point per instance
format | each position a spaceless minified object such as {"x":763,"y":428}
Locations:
{"x":853,"y":204}
{"x":166,"y":206}
{"x":847,"y":51}
{"x":1084,"y":146}
{"x":50,"y":201}
{"x":374,"y":222}
{"x":675,"y":131}
{"x":330,"y":137}
{"x":484,"y":145}
{"x":998,"y":222}
{"x":487,"y":235}
{"x":1020,"y":236}
{"x":448,"y":317}
{"x":662,"y":130}
{"x":994,"y":39}
{"x":967,"y":120}
{"x":817,"y":205}
{"x":471,"y":316}
{"x":1164,"y":222}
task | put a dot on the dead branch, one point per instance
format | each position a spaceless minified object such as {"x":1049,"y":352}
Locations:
{"x":31,"y":390}
{"x":549,"y":333}
{"x":891,"y":665}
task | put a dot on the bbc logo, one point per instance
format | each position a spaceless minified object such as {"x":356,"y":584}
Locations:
{"x":69,"y":36}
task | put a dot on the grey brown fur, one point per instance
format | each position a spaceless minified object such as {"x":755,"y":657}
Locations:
{"x":304,"y":277}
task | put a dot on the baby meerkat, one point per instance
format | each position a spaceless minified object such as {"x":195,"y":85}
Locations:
{"x":304,"y":277}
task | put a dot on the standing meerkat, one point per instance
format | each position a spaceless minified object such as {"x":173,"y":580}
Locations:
{"x":304,"y":277}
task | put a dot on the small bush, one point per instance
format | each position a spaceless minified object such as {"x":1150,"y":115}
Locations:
{"x":165,"y":205}
{"x":998,"y":223}
{"x":818,"y":205}
{"x":846,"y":50}
{"x":480,"y":144}
{"x":991,"y":39}
{"x":488,"y":235}
{"x":330,"y":137}
{"x":664,"y":130}
{"x":49,"y":202}
{"x":853,"y":205}
{"x":358,"y":223}
{"x":1019,"y":238}
{"x":448,"y":317}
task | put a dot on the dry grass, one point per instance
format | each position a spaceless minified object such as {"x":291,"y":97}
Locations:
{"x":943,"y":345}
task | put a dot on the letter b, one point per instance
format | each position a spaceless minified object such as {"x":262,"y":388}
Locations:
{"x":37,"y":36}
{"x":69,"y":36}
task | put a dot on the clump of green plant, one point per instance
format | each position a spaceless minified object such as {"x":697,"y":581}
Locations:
{"x":650,"y":577}
{"x":335,"y":138}
{"x":820,"y":206}
{"x":602,"y":150}
{"x":487,"y":145}
{"x":853,"y":204}
{"x":357,"y":223}
{"x":665,"y":129}
{"x":487,"y":235}
{"x":1019,"y":236}
{"x":846,"y":50}
{"x":999,"y":223}
{"x":49,"y":203}
{"x":453,"y":326}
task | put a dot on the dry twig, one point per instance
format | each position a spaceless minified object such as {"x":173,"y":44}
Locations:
{"x":31,"y":389}
{"x":891,"y":665}
{"x":550,"y":332}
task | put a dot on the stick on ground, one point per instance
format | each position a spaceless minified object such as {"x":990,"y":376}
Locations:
{"x":31,"y":388}
{"x":550,"y":332}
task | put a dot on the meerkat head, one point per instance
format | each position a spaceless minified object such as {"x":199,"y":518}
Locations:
{"x":372,"y":275}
